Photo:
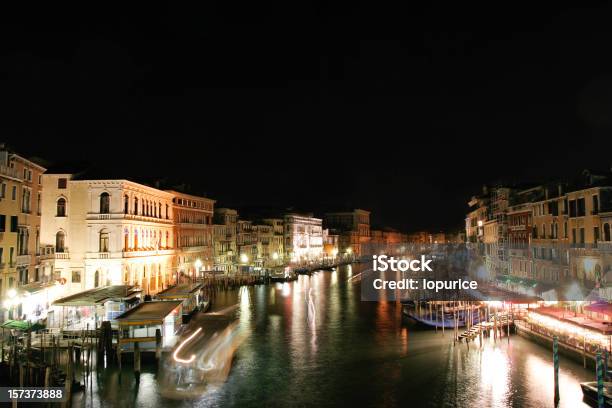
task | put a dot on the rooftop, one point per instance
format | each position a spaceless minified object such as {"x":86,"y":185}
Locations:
{"x":179,"y":291}
{"x":97,"y":296}
{"x":156,"y":310}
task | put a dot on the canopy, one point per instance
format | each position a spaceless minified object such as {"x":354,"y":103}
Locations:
{"x":602,"y":307}
{"x":22,"y":325}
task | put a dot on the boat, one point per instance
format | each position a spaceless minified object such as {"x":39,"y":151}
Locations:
{"x":303,"y":271}
{"x":589,"y":391}
{"x":433,"y":317}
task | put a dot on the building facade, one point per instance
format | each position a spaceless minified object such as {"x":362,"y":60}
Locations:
{"x":193,"y":233}
{"x":107,"y":232}
{"x":303,"y":238}
{"x":20,"y":215}
{"x":225,"y":234}
{"x":353,"y":229}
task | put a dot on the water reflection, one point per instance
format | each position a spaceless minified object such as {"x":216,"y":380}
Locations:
{"x":313,"y":342}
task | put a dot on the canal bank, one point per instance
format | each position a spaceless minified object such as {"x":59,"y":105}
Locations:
{"x":313,"y":342}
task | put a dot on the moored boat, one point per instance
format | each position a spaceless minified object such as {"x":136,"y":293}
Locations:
{"x":435,"y":315}
{"x":589,"y":391}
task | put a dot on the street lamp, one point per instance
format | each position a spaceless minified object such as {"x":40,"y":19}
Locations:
{"x":275,"y":256}
{"x":198,"y":265}
{"x":244,"y":258}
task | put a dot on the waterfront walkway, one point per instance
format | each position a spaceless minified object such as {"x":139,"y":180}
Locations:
{"x":579,"y":319}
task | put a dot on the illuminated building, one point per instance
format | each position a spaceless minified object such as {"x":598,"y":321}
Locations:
{"x":246,"y":246}
{"x":193,"y":233}
{"x":353,"y":229}
{"x":107,"y":232}
{"x":330,"y":244}
{"x":276,"y":247}
{"x":20,"y":206}
{"x":224,"y":240}
{"x":303,"y":237}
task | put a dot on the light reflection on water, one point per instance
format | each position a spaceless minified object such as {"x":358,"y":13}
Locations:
{"x":313,"y":342}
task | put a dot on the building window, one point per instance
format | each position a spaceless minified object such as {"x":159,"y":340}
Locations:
{"x":97,"y":279}
{"x":104,"y":203}
{"x":61,"y":183}
{"x":606,"y":232}
{"x":135,"y":205}
{"x":60,"y":240}
{"x":76,"y":276}
{"x":595,"y":204}
{"x":61,"y":207}
{"x":14,"y":193}
{"x":126,"y":204}
{"x":14,"y":223}
{"x":25,"y":200}
{"x":167,"y":211}
{"x":104,"y":240}
{"x":2,"y":222}
{"x":581,"y":208}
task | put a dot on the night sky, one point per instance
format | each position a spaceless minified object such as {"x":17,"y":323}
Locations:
{"x":403,"y":111}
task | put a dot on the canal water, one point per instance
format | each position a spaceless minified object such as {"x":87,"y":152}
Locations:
{"x":313,"y":342}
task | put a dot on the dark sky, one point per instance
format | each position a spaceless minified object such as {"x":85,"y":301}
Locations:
{"x":401,"y":109}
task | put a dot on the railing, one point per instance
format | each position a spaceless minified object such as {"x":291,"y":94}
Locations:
{"x":150,"y":252}
{"x":62,"y":255}
{"x":9,"y":171}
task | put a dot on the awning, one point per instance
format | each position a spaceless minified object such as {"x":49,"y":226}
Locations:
{"x":22,"y":325}
{"x":600,"y":307}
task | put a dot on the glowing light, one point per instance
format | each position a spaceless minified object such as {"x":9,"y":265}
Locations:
{"x":480,"y":223}
{"x":286,"y":289}
{"x":275,"y":256}
{"x":180,"y":346}
{"x":12,"y":293}
{"x":244,"y":258}
{"x":334,"y":252}
{"x":198,"y":264}
{"x":349,"y":250}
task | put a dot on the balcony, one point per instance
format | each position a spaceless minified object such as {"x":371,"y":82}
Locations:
{"x":62,"y":255}
{"x":9,"y":172}
{"x":23,"y":259}
{"x":147,"y":252}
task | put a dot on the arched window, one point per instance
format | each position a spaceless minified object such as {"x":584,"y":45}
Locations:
{"x":126,"y":239}
{"x":104,"y":203}
{"x":167,"y":211}
{"x":104,"y":241}
{"x":136,"y":239}
{"x":159,"y":210}
{"x":97,"y":279}
{"x":606,"y":232}
{"x":60,"y":241}
{"x":167,"y":240}
{"x":126,"y":204}
{"x":61,"y":207}
{"x":135,"y":205}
